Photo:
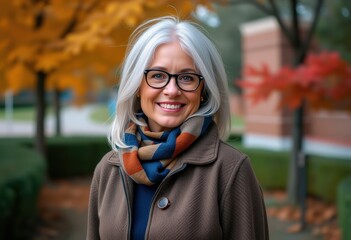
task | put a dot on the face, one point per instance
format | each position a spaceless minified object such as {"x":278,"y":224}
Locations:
{"x":168,"y":107}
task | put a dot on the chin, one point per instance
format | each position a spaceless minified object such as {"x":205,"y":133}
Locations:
{"x":169,"y":126}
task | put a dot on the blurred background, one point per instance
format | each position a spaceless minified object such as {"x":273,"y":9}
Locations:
{"x":289,"y":73}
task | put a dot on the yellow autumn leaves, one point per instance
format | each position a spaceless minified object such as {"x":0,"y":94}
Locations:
{"x":71,"y":41}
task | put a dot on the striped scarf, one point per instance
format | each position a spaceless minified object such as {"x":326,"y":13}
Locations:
{"x":152,"y":155}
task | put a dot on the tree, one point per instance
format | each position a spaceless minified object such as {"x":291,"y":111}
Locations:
{"x":299,"y":42}
{"x":66,"y":44}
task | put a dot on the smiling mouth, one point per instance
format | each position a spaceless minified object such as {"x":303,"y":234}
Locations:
{"x":170,"y":106}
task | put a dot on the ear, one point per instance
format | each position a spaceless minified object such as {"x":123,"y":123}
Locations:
{"x":204,"y":95}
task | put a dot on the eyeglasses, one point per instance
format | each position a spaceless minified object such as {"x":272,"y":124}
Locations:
{"x":158,"y":79}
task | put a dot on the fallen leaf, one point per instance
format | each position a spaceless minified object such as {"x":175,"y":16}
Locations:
{"x":295,"y":228}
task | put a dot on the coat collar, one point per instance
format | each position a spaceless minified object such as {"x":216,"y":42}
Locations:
{"x":203,"y":151}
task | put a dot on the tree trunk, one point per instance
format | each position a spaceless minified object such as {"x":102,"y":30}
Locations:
{"x":300,"y":46}
{"x":40,"y":143}
{"x":57,"y":110}
{"x":297,"y":148}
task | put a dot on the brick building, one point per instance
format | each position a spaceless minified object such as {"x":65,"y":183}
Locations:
{"x":326,"y":133}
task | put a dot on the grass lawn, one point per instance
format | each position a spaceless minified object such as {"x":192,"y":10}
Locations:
{"x":22,"y":113}
{"x":237,"y":122}
{"x":100,"y":114}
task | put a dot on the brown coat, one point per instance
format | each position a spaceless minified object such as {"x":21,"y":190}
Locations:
{"x":212,"y":193}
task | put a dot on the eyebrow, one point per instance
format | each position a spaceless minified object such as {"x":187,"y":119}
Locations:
{"x":181,"y":71}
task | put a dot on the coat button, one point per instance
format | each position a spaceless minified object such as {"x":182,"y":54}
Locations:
{"x":163,"y":203}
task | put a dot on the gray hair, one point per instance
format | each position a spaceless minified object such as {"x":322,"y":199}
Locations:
{"x":193,"y":39}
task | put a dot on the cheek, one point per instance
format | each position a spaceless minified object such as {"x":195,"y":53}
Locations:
{"x":145,"y":101}
{"x":144,"y":92}
{"x":147,"y":96}
{"x":195,"y":102}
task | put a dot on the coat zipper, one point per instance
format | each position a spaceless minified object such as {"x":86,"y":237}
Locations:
{"x":156,"y":194}
{"x":128,"y":202}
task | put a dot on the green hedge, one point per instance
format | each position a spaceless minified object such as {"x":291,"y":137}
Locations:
{"x":74,"y":156}
{"x":324,"y":174}
{"x":22,"y":173}
{"x":344,"y":207}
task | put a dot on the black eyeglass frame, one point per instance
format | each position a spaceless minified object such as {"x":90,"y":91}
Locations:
{"x":146,"y":71}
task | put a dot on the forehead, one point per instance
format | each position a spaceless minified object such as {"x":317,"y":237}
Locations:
{"x":170,"y":54}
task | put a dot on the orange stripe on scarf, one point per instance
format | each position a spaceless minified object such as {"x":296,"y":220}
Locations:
{"x":183,"y":141}
{"x":131,"y":162}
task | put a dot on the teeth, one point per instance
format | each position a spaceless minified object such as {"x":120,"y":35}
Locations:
{"x":170,"y":106}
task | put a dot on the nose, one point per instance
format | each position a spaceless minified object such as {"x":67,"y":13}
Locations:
{"x":172,"y":89}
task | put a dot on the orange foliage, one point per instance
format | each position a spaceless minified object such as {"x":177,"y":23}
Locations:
{"x":324,"y":81}
{"x":25,"y":77}
{"x":72,"y":41}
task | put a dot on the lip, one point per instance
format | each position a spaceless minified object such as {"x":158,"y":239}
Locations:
{"x":171,"y":106}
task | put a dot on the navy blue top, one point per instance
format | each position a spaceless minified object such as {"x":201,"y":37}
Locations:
{"x":141,"y":207}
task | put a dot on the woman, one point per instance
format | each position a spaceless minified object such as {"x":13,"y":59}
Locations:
{"x":170,"y":174}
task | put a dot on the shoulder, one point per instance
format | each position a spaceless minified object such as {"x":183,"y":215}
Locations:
{"x":230,"y":155}
{"x":237,"y":171}
{"x":225,"y":146}
{"x":214,"y":150}
{"x":234,"y":165}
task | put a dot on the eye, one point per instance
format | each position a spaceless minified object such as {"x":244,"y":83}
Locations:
{"x":159,"y":75}
{"x":187,"y":78}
